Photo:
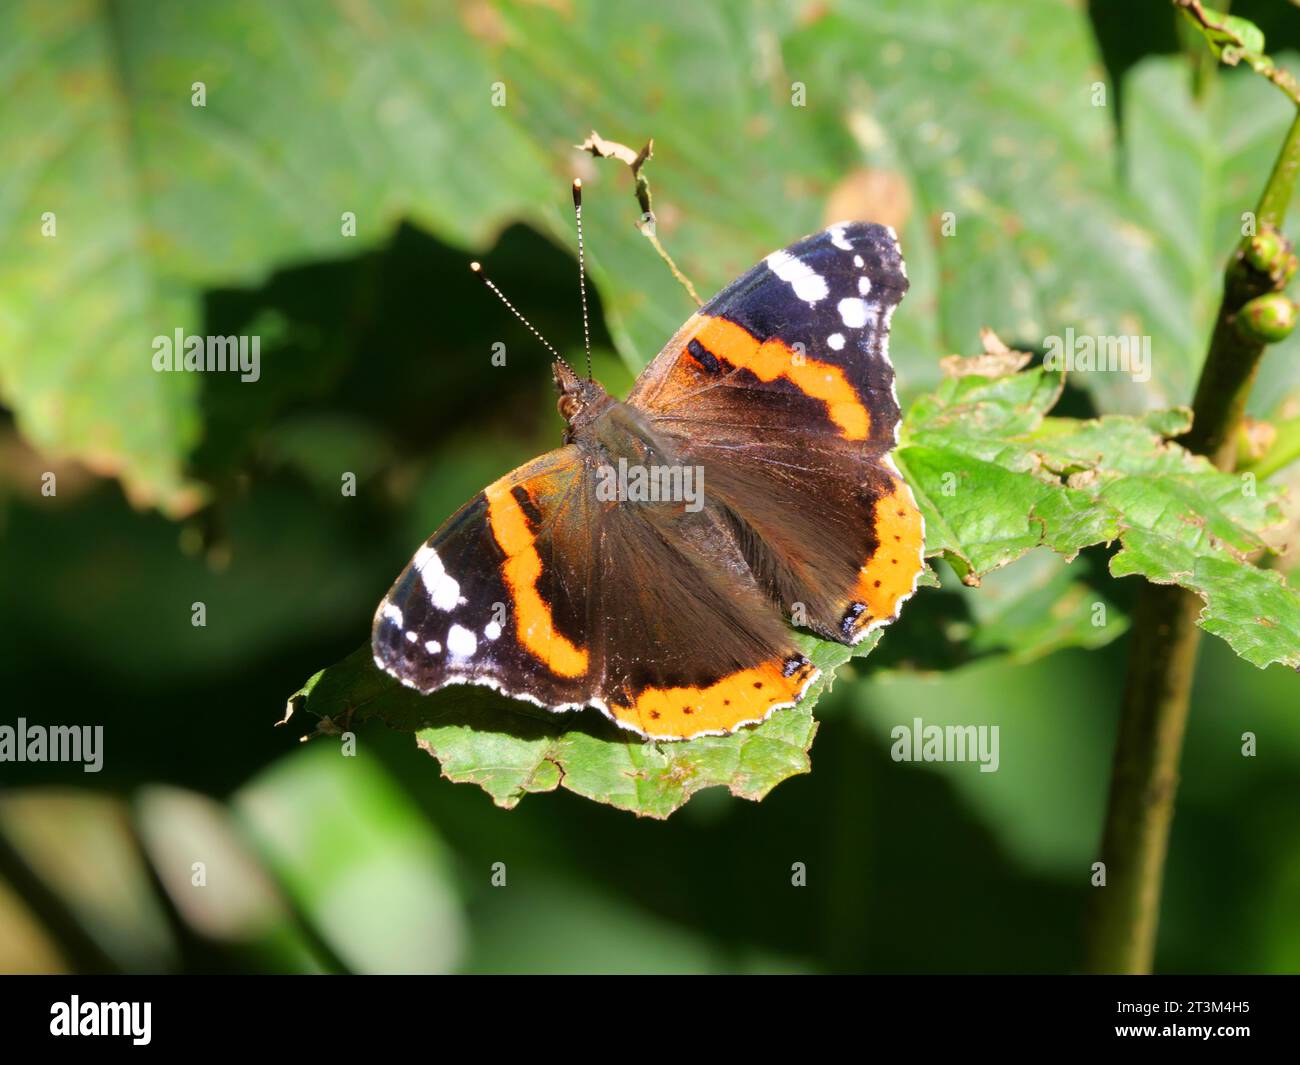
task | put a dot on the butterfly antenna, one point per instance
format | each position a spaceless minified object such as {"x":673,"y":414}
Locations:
{"x":478,"y":269}
{"x":582,"y":273}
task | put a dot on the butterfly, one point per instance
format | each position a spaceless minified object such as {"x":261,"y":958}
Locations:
{"x":651,"y":565}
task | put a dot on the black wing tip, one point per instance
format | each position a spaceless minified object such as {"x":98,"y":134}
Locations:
{"x":876,"y":242}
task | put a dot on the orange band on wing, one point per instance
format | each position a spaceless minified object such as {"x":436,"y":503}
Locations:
{"x":891,"y":572}
{"x":773,"y":359}
{"x":747,"y":695}
{"x":534,"y":623}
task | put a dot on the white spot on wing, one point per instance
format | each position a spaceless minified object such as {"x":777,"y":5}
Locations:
{"x":432,"y":646}
{"x":444,"y":591}
{"x":837,"y":238}
{"x":808,"y":285}
{"x":853,"y":312}
{"x":864,"y":285}
{"x":411,"y":636}
{"x":857,"y":261}
{"x":492,"y":631}
{"x":392,"y":612}
{"x":461,"y":642}
{"x":836,"y":341}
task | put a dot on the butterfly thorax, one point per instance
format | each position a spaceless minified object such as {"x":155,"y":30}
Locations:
{"x":604,"y":429}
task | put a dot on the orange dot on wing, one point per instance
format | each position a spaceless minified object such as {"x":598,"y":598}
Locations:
{"x":891,"y":572}
{"x":686,"y":711}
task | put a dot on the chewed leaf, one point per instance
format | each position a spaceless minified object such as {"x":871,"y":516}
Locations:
{"x":996,"y":478}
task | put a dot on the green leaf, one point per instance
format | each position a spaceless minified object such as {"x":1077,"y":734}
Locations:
{"x":159,"y":200}
{"x":80,"y":294}
{"x":1233,"y":39}
{"x":1223,"y":31}
{"x":995,"y":478}
{"x":156,"y":199}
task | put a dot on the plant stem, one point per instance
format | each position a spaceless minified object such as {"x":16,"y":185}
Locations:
{"x":1281,"y":183}
{"x":1229,"y":370}
{"x":1123,"y":915}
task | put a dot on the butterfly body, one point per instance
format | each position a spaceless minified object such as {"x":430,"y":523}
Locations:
{"x":651,"y":566}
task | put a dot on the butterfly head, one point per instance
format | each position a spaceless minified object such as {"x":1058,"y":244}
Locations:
{"x":580,"y":399}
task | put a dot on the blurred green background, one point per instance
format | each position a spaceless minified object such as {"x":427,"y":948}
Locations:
{"x":1110,"y":215}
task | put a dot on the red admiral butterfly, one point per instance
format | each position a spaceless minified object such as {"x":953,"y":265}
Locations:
{"x":583,"y":578}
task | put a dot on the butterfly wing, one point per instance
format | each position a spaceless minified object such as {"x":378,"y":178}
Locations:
{"x":498,"y":596}
{"x":691,"y":643}
{"x":781,"y":388}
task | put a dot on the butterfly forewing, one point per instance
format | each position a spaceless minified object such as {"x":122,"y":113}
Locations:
{"x":782,"y":390}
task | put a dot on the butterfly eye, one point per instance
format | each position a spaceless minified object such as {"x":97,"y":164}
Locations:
{"x":568,"y":405}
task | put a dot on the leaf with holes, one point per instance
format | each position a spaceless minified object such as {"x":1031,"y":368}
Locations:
{"x":996,"y":477}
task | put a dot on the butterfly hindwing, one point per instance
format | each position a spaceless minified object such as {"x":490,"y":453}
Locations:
{"x":692,"y":644}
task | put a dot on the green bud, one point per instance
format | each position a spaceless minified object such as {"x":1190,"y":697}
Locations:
{"x":1267,"y":252}
{"x":1267,"y":319}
